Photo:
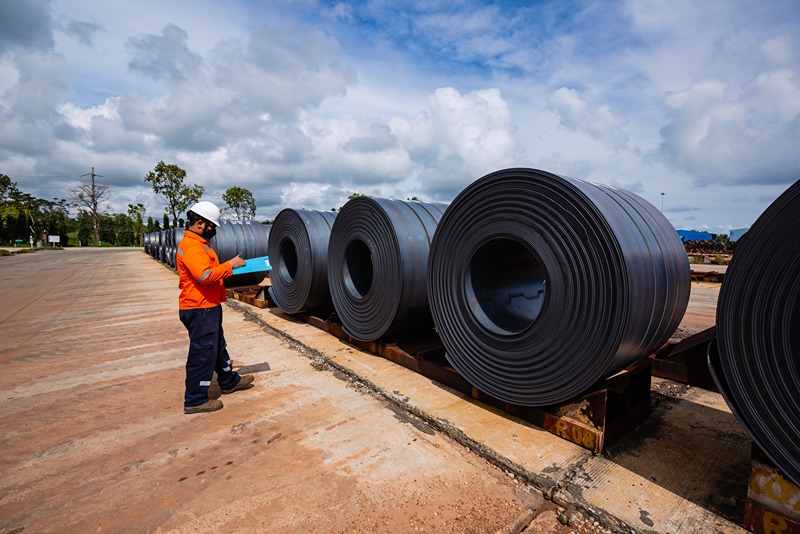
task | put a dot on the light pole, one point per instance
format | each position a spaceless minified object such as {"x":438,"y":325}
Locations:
{"x":662,"y":202}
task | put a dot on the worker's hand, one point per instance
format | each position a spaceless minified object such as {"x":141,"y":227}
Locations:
{"x":237,"y":262}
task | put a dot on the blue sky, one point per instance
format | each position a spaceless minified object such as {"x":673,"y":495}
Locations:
{"x":304,"y":102}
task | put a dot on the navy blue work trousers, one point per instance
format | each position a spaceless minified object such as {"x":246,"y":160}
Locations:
{"x":207,"y":353}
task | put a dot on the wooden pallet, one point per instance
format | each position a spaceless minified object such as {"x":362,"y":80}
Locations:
{"x":594,"y":420}
{"x":257,"y":296}
{"x":773,"y":501}
{"x":712,"y":276}
{"x":687,"y":361}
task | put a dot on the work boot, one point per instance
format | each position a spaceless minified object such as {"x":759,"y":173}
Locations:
{"x":210,"y":406}
{"x":246,"y":382}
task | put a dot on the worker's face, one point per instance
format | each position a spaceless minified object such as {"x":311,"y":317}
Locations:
{"x":208,"y":230}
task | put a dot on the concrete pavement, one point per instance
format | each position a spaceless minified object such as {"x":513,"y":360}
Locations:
{"x":93,"y":354}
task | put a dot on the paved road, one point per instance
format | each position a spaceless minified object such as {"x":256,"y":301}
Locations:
{"x":94,"y":438}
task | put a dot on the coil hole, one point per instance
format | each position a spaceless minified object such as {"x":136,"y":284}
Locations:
{"x":506,"y":286}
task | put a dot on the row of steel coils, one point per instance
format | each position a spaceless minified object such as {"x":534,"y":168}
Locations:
{"x":540,"y":286}
{"x":247,"y":239}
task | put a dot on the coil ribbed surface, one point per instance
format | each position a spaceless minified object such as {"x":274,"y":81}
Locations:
{"x":377,"y":265}
{"x":162,"y":246}
{"x":757,"y":365}
{"x":174,"y":236}
{"x":298,"y":250}
{"x":542,"y":285}
{"x":247,"y":239}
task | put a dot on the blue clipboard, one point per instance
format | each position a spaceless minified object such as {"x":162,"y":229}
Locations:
{"x":254,"y":265}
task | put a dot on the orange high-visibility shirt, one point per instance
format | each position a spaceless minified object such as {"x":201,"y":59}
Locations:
{"x":200,"y":274}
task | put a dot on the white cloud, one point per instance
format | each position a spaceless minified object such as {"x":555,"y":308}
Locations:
{"x":462,"y":138}
{"x":416,"y":98}
{"x":736,"y":139}
{"x":600,"y":123}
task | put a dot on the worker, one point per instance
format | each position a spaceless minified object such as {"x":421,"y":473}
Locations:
{"x":200,"y":309}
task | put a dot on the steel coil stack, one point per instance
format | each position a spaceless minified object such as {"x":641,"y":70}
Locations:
{"x":377,"y":265}
{"x":247,"y":239}
{"x":756,"y":357}
{"x":298,"y":250}
{"x":542,"y":285}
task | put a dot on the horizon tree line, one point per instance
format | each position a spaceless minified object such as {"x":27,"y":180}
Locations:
{"x":24,"y":217}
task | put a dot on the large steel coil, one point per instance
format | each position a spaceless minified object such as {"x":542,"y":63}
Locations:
{"x":147,"y":240}
{"x":171,"y":247}
{"x":247,"y":239}
{"x":162,"y":246}
{"x":757,"y":360}
{"x":298,"y":251}
{"x":542,"y":285}
{"x":377,"y":265}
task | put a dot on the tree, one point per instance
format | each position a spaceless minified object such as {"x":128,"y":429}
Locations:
{"x":241,"y":201}
{"x":30,"y":206}
{"x":6,"y":188}
{"x":137,"y":214}
{"x":351,"y":197}
{"x":167,"y":181}
{"x":85,"y":229}
{"x":108,"y":234}
{"x":54,"y":216}
{"x":125,"y":229}
{"x":12,"y":225}
{"x":91,"y":197}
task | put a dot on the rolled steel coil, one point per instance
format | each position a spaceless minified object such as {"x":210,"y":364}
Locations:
{"x":153,"y":245}
{"x":247,"y":239}
{"x":542,"y":285}
{"x":757,"y":360}
{"x":298,"y":251}
{"x":169,"y":246}
{"x":174,"y":238}
{"x":162,"y":246}
{"x":377,"y":265}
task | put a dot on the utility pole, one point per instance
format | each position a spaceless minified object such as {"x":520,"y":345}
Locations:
{"x":91,"y":197}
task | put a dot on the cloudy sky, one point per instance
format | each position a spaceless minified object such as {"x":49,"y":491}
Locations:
{"x":695,"y":105}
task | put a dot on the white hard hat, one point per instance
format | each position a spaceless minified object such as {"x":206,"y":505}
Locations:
{"x":207,"y":210}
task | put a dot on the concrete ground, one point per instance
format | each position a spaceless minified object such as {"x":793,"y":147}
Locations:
{"x":331,"y":439}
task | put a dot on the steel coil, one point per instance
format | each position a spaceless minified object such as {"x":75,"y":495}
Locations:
{"x":377,"y":265}
{"x":247,"y":239}
{"x":542,"y":285}
{"x":177,"y":236}
{"x":162,"y":246}
{"x":757,"y":360}
{"x":298,"y":250}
